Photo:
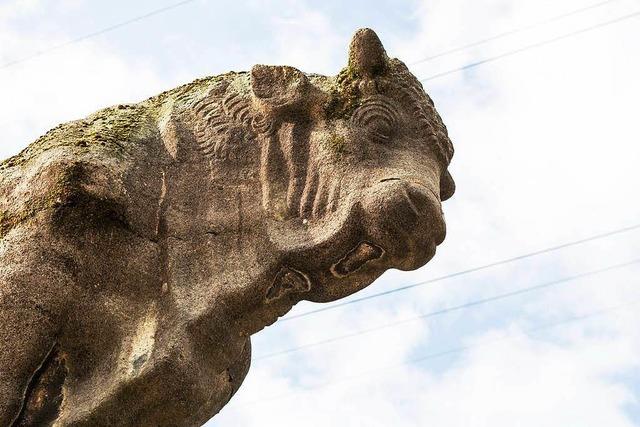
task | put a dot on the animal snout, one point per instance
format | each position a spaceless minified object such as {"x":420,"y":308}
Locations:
{"x":406,"y":209}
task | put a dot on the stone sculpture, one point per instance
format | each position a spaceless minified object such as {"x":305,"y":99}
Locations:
{"x":141,"y":247}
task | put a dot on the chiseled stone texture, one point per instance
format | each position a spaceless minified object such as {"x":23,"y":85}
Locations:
{"x":142,"y":246}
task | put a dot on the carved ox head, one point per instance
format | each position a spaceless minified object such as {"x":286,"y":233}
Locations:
{"x":353,"y":169}
{"x":350,"y":171}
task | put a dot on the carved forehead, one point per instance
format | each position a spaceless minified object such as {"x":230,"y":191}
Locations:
{"x":401,"y":95}
{"x":396,"y":85}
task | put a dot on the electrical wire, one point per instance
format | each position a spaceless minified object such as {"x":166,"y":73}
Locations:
{"x":96,"y":33}
{"x":512,"y":32}
{"x":465,"y":272}
{"x":448,"y":352}
{"x":532,"y":46}
{"x":470,"y":304}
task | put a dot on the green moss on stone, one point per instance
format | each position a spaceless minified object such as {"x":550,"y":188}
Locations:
{"x":110,"y":129}
{"x":345,"y":95}
{"x":336,"y":144}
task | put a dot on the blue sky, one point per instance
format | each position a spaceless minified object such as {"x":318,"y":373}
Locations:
{"x":547,"y":151}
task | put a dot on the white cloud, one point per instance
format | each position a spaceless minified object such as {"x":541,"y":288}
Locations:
{"x":303,"y":37}
{"x":63,"y":85}
{"x":527,"y":383}
{"x":14,"y":8}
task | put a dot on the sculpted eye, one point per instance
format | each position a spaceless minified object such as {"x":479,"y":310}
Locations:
{"x":377,"y":117}
{"x":380,"y":130}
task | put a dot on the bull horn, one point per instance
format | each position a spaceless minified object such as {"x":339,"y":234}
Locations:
{"x":367,"y":56}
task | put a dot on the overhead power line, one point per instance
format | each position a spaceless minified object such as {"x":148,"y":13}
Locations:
{"x":96,"y":33}
{"x":533,"y":46}
{"x":464,"y":272}
{"x":513,"y":32}
{"x":448,"y":352}
{"x":451,"y":309}
{"x":184,"y":2}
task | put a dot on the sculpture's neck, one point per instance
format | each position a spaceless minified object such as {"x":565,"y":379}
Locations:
{"x":218,"y":259}
{"x":223,"y":273}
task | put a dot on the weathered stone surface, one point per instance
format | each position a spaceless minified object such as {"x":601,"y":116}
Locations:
{"x":142,"y":246}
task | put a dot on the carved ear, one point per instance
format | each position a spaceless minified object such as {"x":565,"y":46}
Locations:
{"x":279,"y":88}
{"x":367,"y":56}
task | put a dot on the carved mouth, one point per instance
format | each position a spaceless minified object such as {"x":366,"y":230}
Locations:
{"x":356,"y":258}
